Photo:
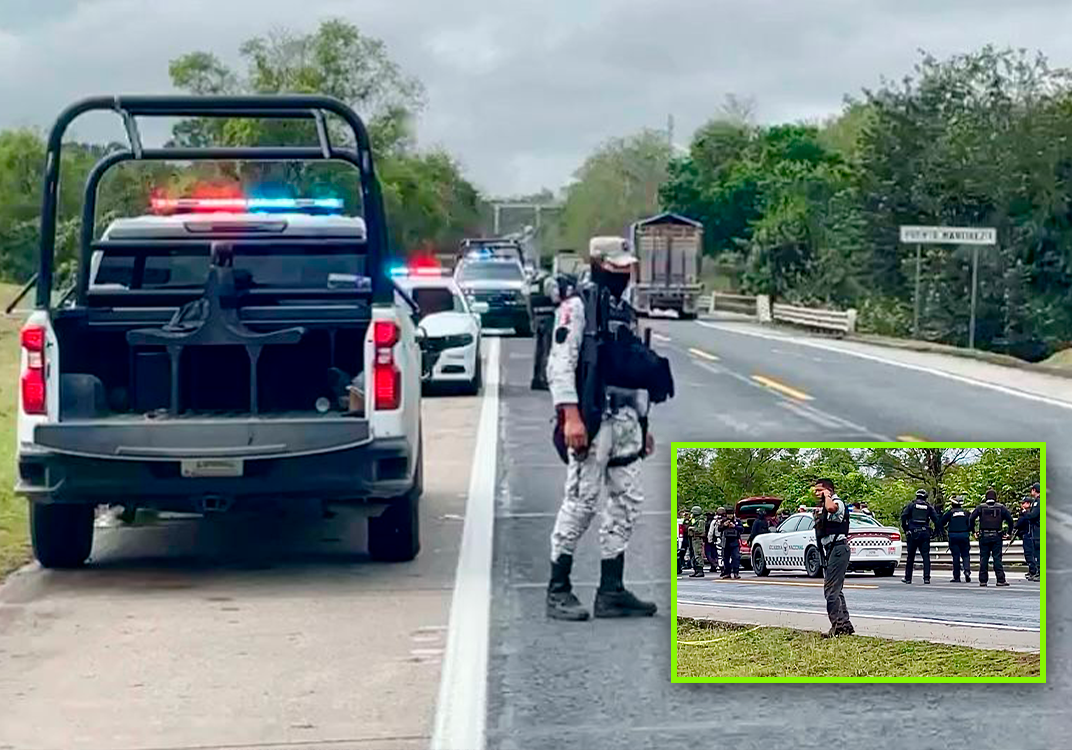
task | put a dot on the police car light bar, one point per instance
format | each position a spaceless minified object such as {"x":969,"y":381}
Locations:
{"x":244,"y":204}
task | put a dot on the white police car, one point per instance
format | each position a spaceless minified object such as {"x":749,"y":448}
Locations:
{"x":792,"y":547}
{"x":451,"y":325}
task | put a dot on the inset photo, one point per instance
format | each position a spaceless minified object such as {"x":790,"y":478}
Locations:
{"x":868,"y":562}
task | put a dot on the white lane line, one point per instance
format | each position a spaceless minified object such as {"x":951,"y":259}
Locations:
{"x":461,"y":711}
{"x":1062,"y":525}
{"x":931,"y":620}
{"x":660,"y":337}
{"x":703,"y":355}
{"x":875,"y":358}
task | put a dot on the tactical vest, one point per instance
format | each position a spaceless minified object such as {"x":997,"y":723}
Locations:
{"x":958,"y":522}
{"x":990,"y":518}
{"x":920,"y":513}
{"x":732,"y":533}
{"x":827,"y":527}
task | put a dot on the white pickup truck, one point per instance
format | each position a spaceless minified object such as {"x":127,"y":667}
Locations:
{"x":221,"y":353}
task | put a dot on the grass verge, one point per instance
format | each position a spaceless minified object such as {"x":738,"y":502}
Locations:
{"x":743,"y":651}
{"x":14,"y":542}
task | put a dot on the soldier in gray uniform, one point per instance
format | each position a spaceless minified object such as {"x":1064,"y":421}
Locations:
{"x":610,"y":458}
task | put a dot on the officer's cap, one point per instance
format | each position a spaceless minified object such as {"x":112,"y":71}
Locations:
{"x":957,"y":500}
{"x":612,"y":250}
{"x":697,"y":509}
{"x":1036,"y":487}
{"x":922,"y":494}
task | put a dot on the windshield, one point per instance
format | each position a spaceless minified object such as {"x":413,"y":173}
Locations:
{"x":862,"y":520}
{"x":282,"y":267}
{"x":433,"y":300}
{"x":490,"y":271}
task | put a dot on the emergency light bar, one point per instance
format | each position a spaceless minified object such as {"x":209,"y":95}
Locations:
{"x":250,"y":205}
{"x":419,"y":271}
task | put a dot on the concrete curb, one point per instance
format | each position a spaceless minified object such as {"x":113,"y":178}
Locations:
{"x":981,"y":637}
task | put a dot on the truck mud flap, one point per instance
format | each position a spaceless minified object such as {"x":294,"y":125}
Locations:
{"x":175,"y":439}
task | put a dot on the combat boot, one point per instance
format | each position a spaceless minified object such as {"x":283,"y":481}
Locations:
{"x":561,"y":602}
{"x":612,"y":599}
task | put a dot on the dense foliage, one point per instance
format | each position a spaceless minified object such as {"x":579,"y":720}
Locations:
{"x":810,"y":213}
{"x":885,"y":478}
{"x":429,"y":202}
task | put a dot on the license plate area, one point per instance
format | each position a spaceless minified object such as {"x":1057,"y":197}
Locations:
{"x":213,"y":467}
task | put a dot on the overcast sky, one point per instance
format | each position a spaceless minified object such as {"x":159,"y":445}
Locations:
{"x":520,"y":92}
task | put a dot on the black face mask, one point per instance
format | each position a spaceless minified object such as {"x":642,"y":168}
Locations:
{"x":615,"y":283}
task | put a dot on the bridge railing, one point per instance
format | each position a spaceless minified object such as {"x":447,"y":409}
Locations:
{"x":829,"y":321}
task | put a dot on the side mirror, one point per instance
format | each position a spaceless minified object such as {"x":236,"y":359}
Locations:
{"x":479,"y":308}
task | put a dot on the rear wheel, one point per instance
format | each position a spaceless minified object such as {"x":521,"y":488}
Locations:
{"x":62,"y":535}
{"x":759,"y":563}
{"x":886,"y":570}
{"x":395,"y":536}
{"x":812,"y":565}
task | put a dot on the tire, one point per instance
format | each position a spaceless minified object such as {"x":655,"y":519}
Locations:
{"x":759,"y":562}
{"x":686,"y":316}
{"x":395,"y":535}
{"x":473,"y":388}
{"x":812,"y":564}
{"x":886,"y":570}
{"x":62,"y":534}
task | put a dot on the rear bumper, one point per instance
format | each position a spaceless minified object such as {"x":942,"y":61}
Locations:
{"x":375,"y":471}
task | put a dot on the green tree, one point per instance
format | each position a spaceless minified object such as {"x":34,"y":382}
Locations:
{"x":616,"y":185}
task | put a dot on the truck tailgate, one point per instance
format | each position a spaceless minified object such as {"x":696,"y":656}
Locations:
{"x":171,"y":439}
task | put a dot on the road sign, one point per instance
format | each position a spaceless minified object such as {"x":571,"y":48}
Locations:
{"x":949,"y":235}
{"x":976,"y":236}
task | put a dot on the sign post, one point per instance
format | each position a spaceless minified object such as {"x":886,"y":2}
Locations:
{"x":974,"y":236}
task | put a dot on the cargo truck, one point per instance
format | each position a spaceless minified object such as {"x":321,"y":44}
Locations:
{"x":669,"y":248}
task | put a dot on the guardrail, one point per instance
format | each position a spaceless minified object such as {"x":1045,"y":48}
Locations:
{"x":820,"y":320}
{"x":744,"y":304}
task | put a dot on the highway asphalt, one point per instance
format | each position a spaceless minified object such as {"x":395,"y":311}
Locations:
{"x":605,"y":684}
{"x":213,"y":634}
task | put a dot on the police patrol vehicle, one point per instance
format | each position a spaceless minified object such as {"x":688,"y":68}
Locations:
{"x":501,"y":284}
{"x":793,"y":547}
{"x":451,"y":326}
{"x":224,"y":352}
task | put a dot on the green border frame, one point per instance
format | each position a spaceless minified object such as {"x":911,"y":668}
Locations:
{"x":1041,"y":679}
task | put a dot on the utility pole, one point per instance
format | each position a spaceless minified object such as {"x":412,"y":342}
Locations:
{"x":670,"y":131}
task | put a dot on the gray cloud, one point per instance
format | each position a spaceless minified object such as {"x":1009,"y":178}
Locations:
{"x":521,"y":92}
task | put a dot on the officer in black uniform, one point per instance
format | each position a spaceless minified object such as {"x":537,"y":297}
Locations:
{"x":1029,"y":526}
{"x":991,"y":516}
{"x":955,"y":523}
{"x":731,"y":530}
{"x":916,"y":520}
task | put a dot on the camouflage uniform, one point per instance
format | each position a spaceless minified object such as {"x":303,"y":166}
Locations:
{"x":696,"y":532}
{"x":619,"y":435}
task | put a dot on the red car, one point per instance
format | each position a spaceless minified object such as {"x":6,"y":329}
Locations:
{"x":747,"y":510}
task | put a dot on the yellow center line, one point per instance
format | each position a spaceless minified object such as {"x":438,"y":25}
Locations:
{"x":910,"y":439}
{"x":703,"y":355}
{"x":782,"y":388}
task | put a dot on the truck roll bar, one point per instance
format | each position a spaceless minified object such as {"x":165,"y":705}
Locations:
{"x":297,"y":106}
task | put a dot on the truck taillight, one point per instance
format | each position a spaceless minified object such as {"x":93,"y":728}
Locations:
{"x":32,"y":383}
{"x":386,"y":379}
